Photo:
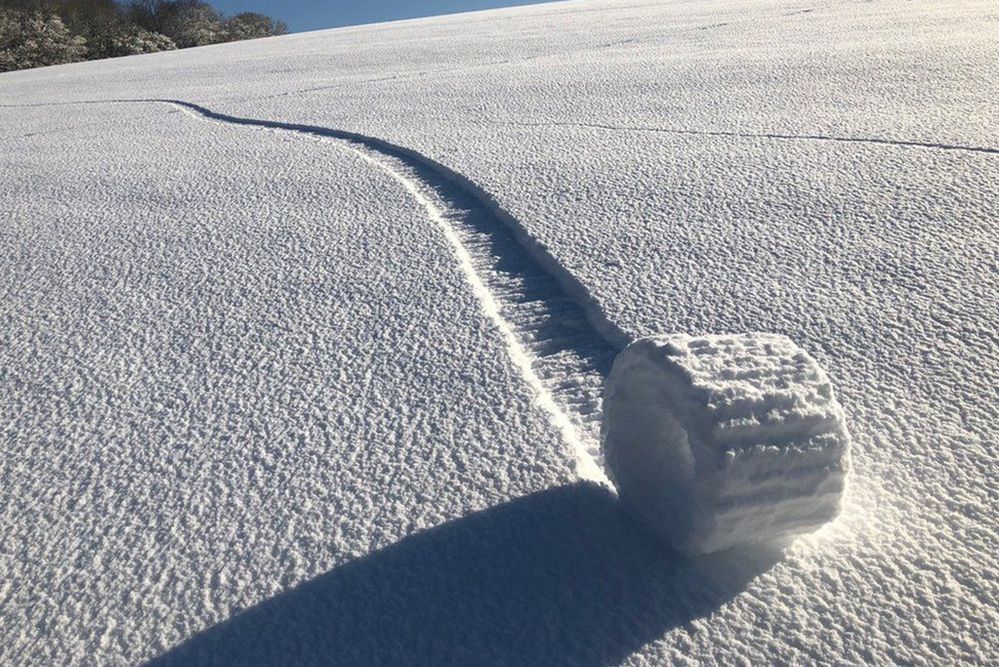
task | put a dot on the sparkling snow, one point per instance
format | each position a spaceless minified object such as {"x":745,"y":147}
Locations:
{"x":257,"y":383}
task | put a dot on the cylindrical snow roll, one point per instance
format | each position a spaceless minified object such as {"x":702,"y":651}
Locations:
{"x":717,"y":441}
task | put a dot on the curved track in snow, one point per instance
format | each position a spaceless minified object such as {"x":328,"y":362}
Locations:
{"x":555,"y":333}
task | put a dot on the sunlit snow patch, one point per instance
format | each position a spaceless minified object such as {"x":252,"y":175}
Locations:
{"x":717,"y":441}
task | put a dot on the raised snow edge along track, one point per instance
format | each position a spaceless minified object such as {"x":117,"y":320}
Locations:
{"x":555,"y":332}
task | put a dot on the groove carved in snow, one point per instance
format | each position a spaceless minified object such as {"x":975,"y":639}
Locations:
{"x":555,"y":334}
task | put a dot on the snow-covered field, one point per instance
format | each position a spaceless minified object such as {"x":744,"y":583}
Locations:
{"x":301,"y":347}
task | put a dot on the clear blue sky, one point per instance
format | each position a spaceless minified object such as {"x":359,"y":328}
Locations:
{"x":303,"y":15}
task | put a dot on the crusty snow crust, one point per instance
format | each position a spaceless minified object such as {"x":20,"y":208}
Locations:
{"x":722,"y":440}
{"x":236,"y":363}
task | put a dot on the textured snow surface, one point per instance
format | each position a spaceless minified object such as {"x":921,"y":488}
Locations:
{"x":273,"y":393}
{"x":723,"y":440}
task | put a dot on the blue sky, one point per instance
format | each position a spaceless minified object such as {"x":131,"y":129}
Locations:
{"x":303,"y":15}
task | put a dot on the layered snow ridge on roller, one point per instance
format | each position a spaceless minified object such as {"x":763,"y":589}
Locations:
{"x":717,"y":441}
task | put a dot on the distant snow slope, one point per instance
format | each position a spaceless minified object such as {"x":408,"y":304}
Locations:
{"x":250,"y":389}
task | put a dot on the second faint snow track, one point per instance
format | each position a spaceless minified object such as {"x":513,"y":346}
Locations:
{"x":562,"y":347}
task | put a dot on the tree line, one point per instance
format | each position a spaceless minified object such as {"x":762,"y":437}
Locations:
{"x":34,"y":33}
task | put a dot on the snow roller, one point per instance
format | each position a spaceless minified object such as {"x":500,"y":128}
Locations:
{"x":719,"y":441}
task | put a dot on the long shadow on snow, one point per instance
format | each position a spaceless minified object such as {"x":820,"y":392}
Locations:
{"x":558,"y":577}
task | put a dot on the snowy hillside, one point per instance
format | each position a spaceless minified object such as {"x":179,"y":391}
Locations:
{"x":302,"y":340}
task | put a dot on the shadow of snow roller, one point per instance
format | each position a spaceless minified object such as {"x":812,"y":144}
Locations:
{"x":719,"y":441}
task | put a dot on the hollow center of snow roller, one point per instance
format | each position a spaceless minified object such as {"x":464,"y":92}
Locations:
{"x":717,"y":441}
